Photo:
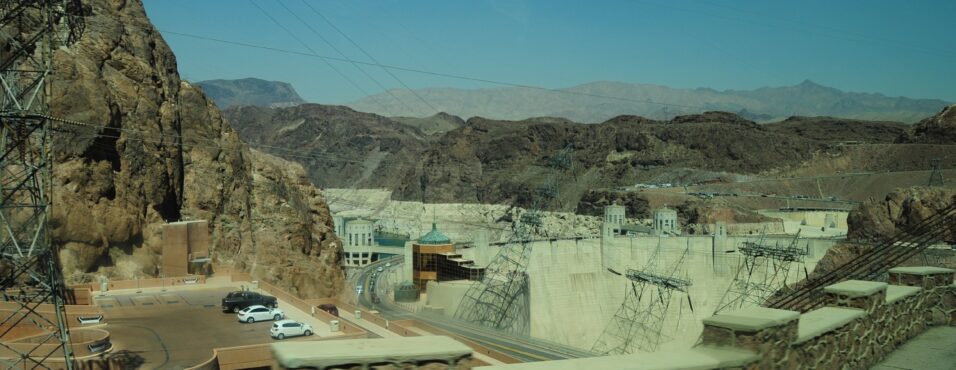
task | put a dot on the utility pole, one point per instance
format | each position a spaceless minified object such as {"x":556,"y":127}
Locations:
{"x":935,"y":177}
{"x":501,"y":300}
{"x":30,"y":273}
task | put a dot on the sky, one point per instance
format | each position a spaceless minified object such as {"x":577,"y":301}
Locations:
{"x":898,"y":48}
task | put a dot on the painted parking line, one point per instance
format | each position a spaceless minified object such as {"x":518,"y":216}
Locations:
{"x":145,"y":300}
{"x":107,"y":302}
{"x":171,"y":299}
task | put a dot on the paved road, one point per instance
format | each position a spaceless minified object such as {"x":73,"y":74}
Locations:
{"x":522,"y":348}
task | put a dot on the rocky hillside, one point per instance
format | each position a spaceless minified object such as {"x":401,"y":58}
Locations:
{"x":878,"y":219}
{"x":580,"y":104}
{"x":339,"y":146}
{"x":492,"y":161}
{"x":899,"y":210}
{"x":159,"y":150}
{"x":938,"y":129}
{"x":250,"y":91}
{"x":435,"y":124}
{"x":830,"y":129}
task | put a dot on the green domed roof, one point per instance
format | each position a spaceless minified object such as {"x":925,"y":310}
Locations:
{"x":434,"y":237}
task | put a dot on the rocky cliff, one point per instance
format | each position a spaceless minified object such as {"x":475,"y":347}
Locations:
{"x":879,"y":219}
{"x":938,"y":129}
{"x":898,"y":211}
{"x":158,"y":150}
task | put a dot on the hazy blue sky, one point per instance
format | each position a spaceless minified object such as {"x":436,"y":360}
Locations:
{"x":898,"y":48}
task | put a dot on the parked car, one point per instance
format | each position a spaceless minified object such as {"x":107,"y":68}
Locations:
{"x":257,"y":312}
{"x":289,"y":328}
{"x":235,"y":301}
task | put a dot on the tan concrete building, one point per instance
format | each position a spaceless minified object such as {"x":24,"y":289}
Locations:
{"x":185,"y":248}
{"x":434,"y":259}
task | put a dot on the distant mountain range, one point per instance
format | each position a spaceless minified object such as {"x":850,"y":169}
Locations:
{"x":588,"y":102}
{"x":250,"y":91}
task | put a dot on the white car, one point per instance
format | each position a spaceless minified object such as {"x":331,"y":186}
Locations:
{"x":388,"y":264}
{"x":257,"y":312}
{"x":379,"y":269}
{"x":289,"y":328}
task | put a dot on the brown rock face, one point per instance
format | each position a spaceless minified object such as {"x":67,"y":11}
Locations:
{"x":158,"y":150}
{"x":938,"y":129}
{"x":900,"y":210}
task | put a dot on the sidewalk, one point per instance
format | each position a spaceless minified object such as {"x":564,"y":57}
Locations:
{"x":935,"y":349}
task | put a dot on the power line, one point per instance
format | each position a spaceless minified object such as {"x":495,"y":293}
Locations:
{"x":329,"y":22}
{"x":327,"y":42}
{"x":424,"y":72}
{"x":296,"y":38}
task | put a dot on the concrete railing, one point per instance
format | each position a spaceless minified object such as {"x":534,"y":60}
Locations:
{"x":73,"y":312}
{"x":252,"y":356}
{"x":80,"y":341}
{"x":144,"y":283}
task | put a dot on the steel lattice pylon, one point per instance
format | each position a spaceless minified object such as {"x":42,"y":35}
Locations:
{"x":763,"y":270}
{"x":936,"y":176}
{"x":30,"y":277}
{"x":501,"y":300}
{"x":637,"y":325}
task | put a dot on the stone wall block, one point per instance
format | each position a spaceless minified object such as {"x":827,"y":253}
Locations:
{"x":924,"y":277}
{"x":865,"y":295}
{"x":718,"y":336}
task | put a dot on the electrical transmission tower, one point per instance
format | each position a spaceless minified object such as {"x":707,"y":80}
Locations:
{"x":30,"y":276}
{"x":501,"y":300}
{"x":763,"y":270}
{"x":637,"y":325}
{"x":935,"y":177}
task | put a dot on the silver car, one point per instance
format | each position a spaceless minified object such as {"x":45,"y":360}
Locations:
{"x":289,"y":328}
{"x":257,"y":312}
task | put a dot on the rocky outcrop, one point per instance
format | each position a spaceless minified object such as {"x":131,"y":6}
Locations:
{"x":155,"y":150}
{"x":492,"y":161}
{"x":898,"y":211}
{"x":831,"y":129}
{"x":250,"y":91}
{"x":338,"y":146}
{"x":938,"y":129}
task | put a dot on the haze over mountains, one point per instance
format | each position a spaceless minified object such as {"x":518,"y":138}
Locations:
{"x":589,"y":103}
{"x":580,"y":104}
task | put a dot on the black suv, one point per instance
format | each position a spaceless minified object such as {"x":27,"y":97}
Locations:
{"x":235,"y":301}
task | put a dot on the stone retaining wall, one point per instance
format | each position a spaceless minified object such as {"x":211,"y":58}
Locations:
{"x":862,"y":323}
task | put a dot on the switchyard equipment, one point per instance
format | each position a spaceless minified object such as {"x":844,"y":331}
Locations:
{"x":501,"y":299}
{"x":874,"y":263}
{"x":763,"y":270}
{"x":30,"y":276}
{"x":638,"y":324}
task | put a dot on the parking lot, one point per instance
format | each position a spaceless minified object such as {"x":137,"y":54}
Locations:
{"x":178,"y":328}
